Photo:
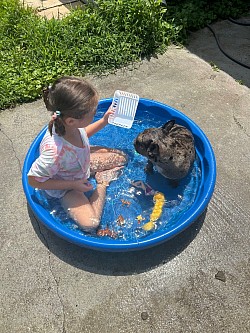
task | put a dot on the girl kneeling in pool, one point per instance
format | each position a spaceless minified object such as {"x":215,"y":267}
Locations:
{"x":66,"y":159}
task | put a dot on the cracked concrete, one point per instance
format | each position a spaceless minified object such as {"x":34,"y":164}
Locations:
{"x":51,"y":271}
{"x":51,"y":286}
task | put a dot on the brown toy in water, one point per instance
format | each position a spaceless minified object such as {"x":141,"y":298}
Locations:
{"x":120,"y":220}
{"x":125,"y":202}
{"x":169,"y":148}
{"x":106,"y":232}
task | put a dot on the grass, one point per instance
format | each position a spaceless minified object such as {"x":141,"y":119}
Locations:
{"x":34,"y":51}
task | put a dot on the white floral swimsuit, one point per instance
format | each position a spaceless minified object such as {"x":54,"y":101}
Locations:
{"x":59,"y":159}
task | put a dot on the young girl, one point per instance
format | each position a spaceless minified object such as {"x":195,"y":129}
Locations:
{"x":66,"y":159}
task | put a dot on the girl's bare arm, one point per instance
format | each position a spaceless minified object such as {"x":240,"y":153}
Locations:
{"x":99,"y":124}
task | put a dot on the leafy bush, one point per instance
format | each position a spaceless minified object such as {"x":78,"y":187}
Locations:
{"x":100,"y":38}
{"x":196,"y":14}
{"x":34,"y":50}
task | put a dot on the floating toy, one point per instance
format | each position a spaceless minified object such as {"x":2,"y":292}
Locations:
{"x":120,"y":220}
{"x":159,"y":201}
{"x":144,"y":186}
{"x":106,"y":232}
{"x":125,"y":203}
{"x":139,"y":218}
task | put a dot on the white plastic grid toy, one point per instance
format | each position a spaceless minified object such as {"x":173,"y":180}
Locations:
{"x":125,"y":105}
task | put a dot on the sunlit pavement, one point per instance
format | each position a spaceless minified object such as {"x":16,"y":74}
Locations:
{"x":53,"y":8}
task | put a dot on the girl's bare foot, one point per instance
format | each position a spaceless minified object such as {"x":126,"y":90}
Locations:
{"x":106,"y":176}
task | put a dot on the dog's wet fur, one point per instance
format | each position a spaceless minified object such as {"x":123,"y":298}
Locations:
{"x":169,"y":148}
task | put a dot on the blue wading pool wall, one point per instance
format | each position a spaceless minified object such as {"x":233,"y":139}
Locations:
{"x":151,"y":110}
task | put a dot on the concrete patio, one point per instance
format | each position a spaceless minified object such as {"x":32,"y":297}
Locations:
{"x":197,"y":282}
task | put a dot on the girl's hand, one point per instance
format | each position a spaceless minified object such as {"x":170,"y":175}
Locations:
{"x":82,"y":185}
{"x":108,"y":113}
{"x":99,"y":124}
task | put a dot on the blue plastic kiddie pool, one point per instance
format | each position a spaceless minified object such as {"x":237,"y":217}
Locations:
{"x":125,"y":203}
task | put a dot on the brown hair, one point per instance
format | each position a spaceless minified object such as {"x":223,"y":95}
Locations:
{"x":72,"y":96}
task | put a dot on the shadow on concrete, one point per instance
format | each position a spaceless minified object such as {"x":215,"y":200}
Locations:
{"x":116,"y":263}
{"x":233,"y":39}
{"x":74,"y":3}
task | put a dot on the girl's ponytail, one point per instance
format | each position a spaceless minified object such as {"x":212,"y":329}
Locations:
{"x":58,"y":124}
{"x":56,"y":119}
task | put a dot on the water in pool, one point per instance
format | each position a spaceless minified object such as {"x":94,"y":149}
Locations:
{"x":125,"y":202}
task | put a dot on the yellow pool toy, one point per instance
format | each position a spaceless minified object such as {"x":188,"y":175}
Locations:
{"x":159,"y":201}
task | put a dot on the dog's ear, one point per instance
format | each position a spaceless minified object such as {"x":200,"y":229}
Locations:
{"x":153,"y":151}
{"x":167,"y":127}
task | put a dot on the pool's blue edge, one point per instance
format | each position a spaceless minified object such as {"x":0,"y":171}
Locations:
{"x":104,"y":244}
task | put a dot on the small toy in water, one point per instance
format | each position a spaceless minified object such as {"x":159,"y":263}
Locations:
{"x":144,"y":186}
{"x":125,"y":203}
{"x":106,"y":232}
{"x":159,"y":201}
{"x":120,"y":220}
{"x":139,"y":218}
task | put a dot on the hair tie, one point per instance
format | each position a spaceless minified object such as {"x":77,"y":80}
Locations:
{"x":56,"y":114}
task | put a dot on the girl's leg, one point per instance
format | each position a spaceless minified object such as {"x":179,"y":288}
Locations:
{"x":102,"y":149}
{"x":87,"y":212}
{"x":105,"y":163}
{"x":102,"y":158}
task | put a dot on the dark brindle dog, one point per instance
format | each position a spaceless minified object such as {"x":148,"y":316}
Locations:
{"x":169,"y":148}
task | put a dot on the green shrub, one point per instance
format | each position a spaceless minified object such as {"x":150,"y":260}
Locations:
{"x":196,"y":14}
{"x":34,"y":51}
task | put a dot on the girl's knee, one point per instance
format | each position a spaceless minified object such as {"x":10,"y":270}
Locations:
{"x":110,"y":160}
{"x":120,"y":159}
{"x":88,"y":224}
{"x":80,"y":210}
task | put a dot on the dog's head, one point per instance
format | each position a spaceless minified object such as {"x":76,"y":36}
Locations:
{"x":146,"y":143}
